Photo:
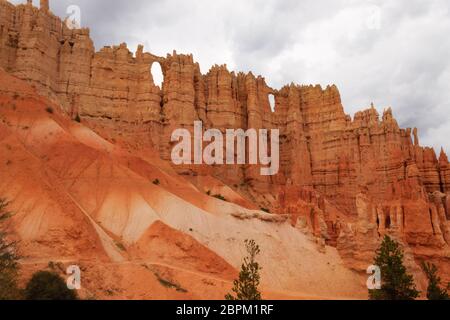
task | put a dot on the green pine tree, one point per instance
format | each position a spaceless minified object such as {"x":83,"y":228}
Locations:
{"x":45,"y":285}
{"x":396,"y":283}
{"x":246,"y":287}
{"x":9,"y":267}
{"x":434,"y":291}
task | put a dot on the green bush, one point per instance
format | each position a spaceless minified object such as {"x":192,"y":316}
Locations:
{"x":170,"y":284}
{"x":45,"y":285}
{"x":9,"y":267}
{"x":220,"y":197}
{"x":434,"y":290}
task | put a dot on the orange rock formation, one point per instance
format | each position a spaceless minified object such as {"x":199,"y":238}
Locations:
{"x":344,"y":182}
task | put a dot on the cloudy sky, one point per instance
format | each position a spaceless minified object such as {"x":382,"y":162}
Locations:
{"x":391,"y":53}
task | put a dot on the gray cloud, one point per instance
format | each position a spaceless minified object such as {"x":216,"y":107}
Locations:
{"x":392,"y":53}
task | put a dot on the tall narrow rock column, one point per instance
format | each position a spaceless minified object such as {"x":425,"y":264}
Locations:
{"x":45,"y":5}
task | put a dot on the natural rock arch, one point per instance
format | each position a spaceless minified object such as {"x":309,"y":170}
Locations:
{"x":157,"y":74}
{"x":272,"y":102}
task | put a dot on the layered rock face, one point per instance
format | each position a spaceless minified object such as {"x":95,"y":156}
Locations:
{"x":350,"y":180}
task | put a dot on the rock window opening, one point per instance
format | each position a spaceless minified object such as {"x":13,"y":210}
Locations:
{"x":157,"y":74}
{"x":272,"y":102}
